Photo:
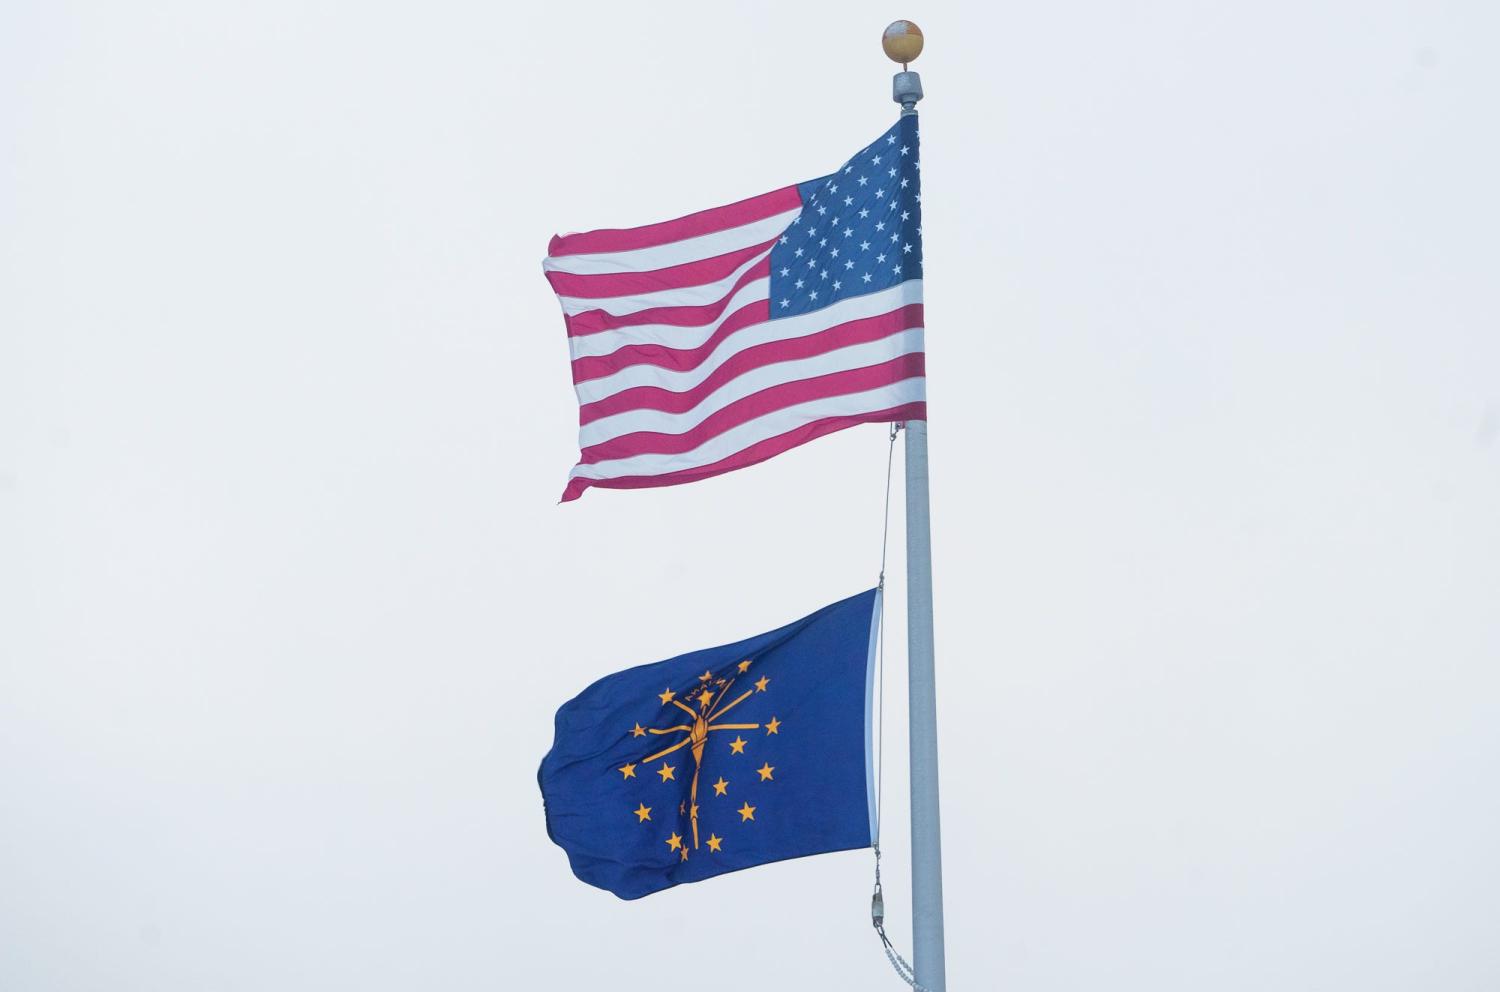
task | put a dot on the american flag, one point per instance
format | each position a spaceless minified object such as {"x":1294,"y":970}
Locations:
{"x":718,"y":340}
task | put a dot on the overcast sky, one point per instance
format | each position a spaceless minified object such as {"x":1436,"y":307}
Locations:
{"x":287,"y":601}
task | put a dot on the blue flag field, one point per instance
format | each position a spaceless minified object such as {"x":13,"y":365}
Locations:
{"x":719,"y":759}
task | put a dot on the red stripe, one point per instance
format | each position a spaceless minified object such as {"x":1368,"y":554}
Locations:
{"x":756,"y":453}
{"x":655,"y":398}
{"x":758,"y":404}
{"x":594,"y":321}
{"x":692,"y":226}
{"x":697,"y":273}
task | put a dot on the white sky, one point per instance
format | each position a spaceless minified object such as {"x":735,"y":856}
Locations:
{"x":286,"y":603}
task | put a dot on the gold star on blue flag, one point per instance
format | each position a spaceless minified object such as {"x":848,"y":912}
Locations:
{"x":720,"y":759}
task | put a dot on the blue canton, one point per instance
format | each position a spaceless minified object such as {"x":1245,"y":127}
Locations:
{"x":860,"y":230}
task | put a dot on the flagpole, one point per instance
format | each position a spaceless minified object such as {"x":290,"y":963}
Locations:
{"x":926,"y":829}
{"x":902,"y":43}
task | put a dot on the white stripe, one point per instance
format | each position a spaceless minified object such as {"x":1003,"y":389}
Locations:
{"x":677,"y":296}
{"x":674,"y":252}
{"x":611,"y":341}
{"x":856,"y":356}
{"x":854,"y":308}
{"x":760,"y":429}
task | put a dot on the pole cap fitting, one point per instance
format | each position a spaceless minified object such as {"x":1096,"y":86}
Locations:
{"x":906,"y":89}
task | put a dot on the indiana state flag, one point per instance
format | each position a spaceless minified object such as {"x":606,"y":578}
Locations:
{"x":720,"y":759}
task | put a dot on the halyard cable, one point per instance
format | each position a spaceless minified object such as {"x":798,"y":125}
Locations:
{"x":877,"y":900}
{"x":885,"y":539}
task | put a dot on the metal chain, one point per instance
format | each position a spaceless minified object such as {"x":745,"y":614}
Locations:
{"x":877,"y":917}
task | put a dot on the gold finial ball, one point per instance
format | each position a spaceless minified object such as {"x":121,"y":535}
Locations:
{"x":902,"y":42}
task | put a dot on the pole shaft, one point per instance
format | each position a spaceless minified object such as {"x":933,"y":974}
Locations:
{"x":926,"y":832}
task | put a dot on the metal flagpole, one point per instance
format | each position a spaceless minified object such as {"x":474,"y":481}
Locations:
{"x":902,"y":43}
{"x":926,"y":829}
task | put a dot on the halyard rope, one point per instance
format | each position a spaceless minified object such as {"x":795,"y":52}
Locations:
{"x":885,"y":538}
{"x":877,"y":900}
